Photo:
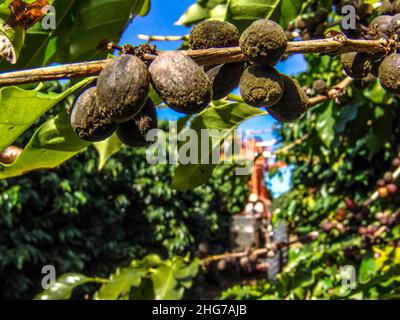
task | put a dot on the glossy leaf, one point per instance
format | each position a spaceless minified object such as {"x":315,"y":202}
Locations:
{"x":172,"y":277}
{"x":120,"y":283}
{"x":5,"y":9}
{"x":98,"y":20}
{"x":193,"y":14}
{"x":153,"y":95}
{"x":107,"y":148}
{"x":52,"y":144}
{"x":145,"y":8}
{"x":187,"y":272}
{"x":20,"y":108}
{"x":152,"y":260}
{"x":243,"y":12}
{"x":290,"y":9}
{"x":367,"y":268}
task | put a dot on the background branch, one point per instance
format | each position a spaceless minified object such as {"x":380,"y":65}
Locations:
{"x":312,"y":236}
{"x":162,"y":38}
{"x":375,"y":196}
{"x":333,"y":94}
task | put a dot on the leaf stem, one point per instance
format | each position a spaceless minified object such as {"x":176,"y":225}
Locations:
{"x":100,"y":280}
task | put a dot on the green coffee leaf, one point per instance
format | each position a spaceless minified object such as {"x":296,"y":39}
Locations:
{"x":52,"y":144}
{"x":171,"y":278}
{"x":290,"y":9}
{"x":367,"y":268}
{"x":20,"y":108}
{"x":326,"y":125}
{"x":243,"y":12}
{"x":5,"y":9}
{"x":101,"y":19}
{"x":218,"y":12}
{"x":193,"y":14}
{"x":107,"y":148}
{"x":153,"y":95}
{"x":186,"y":273}
{"x":145,"y":8}
{"x":120,"y":283}
{"x":151,"y":260}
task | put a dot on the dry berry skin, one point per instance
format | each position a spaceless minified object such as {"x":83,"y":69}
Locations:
{"x":253,"y":257}
{"x":292,"y":104}
{"x":386,"y":6}
{"x":133,"y":133}
{"x":396,"y":162}
{"x":382,"y":24}
{"x":357,"y":65}
{"x":213,"y":34}
{"x":225,"y":78}
{"x":180,"y":82}
{"x":87,"y":121}
{"x":10,"y":154}
{"x":221,"y":265}
{"x":381,"y":183}
{"x":388,"y":177}
{"x":396,"y":6}
{"x":264,"y":41}
{"x":392,"y":188}
{"x":395,"y":24}
{"x":244,"y":261}
{"x":389,"y":73}
{"x":320,"y":86}
{"x":122,"y":88}
{"x":376,"y":62}
{"x":261,"y":85}
{"x":383,"y":192}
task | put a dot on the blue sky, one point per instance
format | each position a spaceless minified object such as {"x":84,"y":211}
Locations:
{"x":160,"y":21}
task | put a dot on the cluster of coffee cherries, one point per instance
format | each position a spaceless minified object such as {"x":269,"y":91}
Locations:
{"x":119,"y":101}
{"x":309,"y":26}
{"x":248,"y":263}
{"x":366,"y":67}
{"x":353,"y":215}
{"x":386,"y":185}
{"x":264,"y":43}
